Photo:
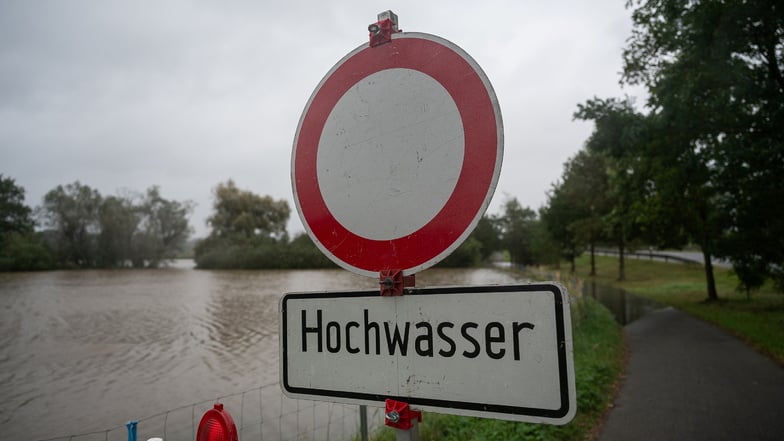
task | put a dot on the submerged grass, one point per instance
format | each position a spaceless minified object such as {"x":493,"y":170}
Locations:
{"x":757,"y":319}
{"x":598,"y":360}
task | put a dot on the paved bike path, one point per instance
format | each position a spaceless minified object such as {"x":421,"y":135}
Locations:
{"x":688,"y":380}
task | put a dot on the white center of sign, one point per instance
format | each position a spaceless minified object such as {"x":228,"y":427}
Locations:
{"x":408,"y":126}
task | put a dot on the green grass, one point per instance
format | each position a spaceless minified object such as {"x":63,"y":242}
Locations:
{"x":758,"y":320}
{"x":598,"y":360}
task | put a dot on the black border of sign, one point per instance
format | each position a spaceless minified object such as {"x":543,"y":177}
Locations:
{"x":479,"y":408}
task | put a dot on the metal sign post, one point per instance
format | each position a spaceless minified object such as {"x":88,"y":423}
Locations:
{"x":398,"y":414}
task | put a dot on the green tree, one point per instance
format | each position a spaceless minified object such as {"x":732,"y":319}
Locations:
{"x":119,"y":219}
{"x":25,"y":252}
{"x":585,"y":185}
{"x":515,"y":225}
{"x":71,"y":211}
{"x":546,"y":250}
{"x":559,"y":217}
{"x":15,"y":216}
{"x":480,"y":245}
{"x":88,"y":230}
{"x":488,"y":236}
{"x":617,"y":145}
{"x":249,"y":231}
{"x":302,"y":253}
{"x":164,"y":228}
{"x":468,"y":254}
{"x":20,"y":247}
{"x":241,"y":213}
{"x":714,"y":73}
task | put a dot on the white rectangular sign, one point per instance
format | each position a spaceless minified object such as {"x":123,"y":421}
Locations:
{"x":490,"y":351}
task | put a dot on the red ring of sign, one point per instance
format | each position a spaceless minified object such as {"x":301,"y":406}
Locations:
{"x":472,"y":192}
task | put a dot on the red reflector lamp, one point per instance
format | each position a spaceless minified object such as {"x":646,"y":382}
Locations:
{"x":217,"y":425}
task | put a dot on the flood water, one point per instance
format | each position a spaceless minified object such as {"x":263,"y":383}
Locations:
{"x":624,"y":306}
{"x":88,"y":350}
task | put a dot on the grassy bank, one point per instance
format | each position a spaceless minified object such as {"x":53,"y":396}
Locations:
{"x":598,"y":360}
{"x":758,"y":320}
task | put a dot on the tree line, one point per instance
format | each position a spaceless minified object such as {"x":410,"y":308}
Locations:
{"x":80,"y":228}
{"x":77,"y":227}
{"x":249,"y":231}
{"x":703,"y":163}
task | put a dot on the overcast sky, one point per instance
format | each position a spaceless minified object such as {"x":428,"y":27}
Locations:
{"x":186,"y":94}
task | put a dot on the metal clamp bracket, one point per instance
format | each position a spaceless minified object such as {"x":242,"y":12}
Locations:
{"x":382,"y":30}
{"x":399,"y":415}
{"x":393,"y":282}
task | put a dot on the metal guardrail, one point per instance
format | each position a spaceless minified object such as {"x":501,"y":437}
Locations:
{"x":649,"y":255}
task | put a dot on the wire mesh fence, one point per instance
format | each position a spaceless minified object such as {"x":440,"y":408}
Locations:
{"x":262,"y":414}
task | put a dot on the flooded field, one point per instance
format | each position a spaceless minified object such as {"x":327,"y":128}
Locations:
{"x":84,"y":351}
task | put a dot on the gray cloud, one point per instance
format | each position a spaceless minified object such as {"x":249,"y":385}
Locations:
{"x":188,"y":94}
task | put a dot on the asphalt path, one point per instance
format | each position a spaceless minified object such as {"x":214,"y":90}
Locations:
{"x":688,"y":380}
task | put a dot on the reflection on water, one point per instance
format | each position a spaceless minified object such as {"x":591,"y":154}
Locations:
{"x":625,"y":307}
{"x":88,"y":350}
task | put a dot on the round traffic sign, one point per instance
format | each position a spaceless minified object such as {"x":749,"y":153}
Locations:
{"x":397,"y":155}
